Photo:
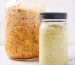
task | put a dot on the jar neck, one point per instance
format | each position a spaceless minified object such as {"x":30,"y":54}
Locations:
{"x":48,"y":22}
{"x":29,"y":3}
{"x":53,"y":20}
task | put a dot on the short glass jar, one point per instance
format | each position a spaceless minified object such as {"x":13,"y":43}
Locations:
{"x":53,"y":39}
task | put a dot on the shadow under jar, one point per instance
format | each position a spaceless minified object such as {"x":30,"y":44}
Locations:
{"x":22,"y":29}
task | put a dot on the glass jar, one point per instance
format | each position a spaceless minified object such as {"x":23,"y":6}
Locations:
{"x":53,"y":39}
{"x":22,"y":28}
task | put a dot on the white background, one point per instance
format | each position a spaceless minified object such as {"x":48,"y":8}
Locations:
{"x":51,"y":6}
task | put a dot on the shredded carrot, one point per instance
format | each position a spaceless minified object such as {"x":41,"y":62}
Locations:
{"x":18,"y":10}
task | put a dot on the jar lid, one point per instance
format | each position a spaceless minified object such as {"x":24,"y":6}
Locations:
{"x":53,"y":15}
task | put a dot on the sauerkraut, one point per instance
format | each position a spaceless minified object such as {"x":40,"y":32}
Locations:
{"x":53,"y":45}
{"x":22,"y":32}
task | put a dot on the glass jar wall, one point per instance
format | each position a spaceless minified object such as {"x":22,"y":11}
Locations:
{"x":53,"y":39}
{"x":22,"y":28}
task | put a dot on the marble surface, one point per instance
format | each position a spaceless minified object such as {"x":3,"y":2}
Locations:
{"x":5,"y":60}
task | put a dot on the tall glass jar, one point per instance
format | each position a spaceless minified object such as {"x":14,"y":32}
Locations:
{"x":22,"y":28}
{"x":53,"y":39}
